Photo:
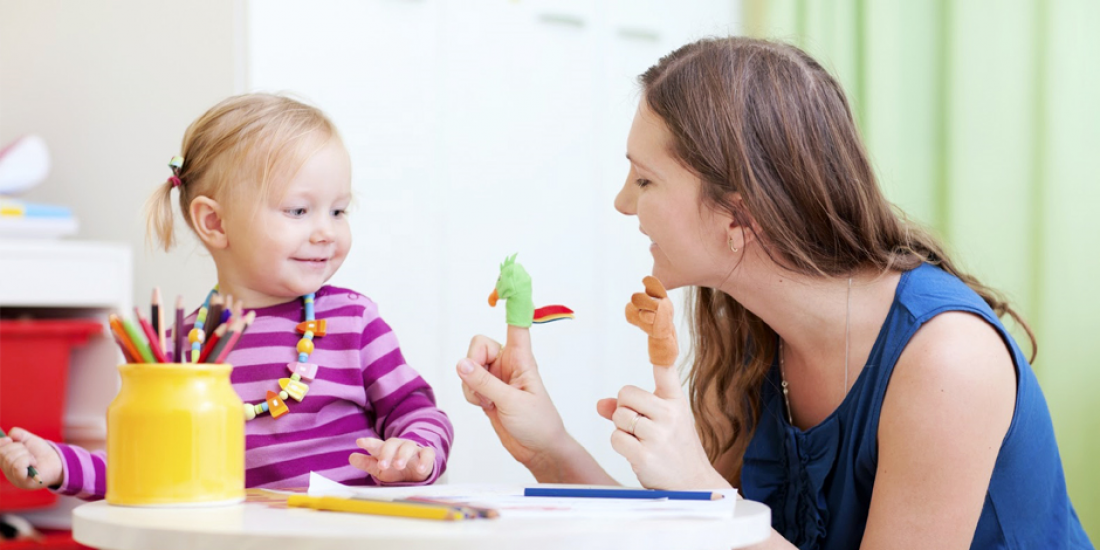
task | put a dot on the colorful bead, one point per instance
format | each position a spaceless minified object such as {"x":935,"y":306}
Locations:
{"x":296,"y":377}
{"x":277,"y":407}
{"x":315,"y":326}
{"x":196,"y":336}
{"x":284,"y":396}
{"x":304,"y":371}
{"x":249,"y":411}
{"x":263,"y":406}
{"x":296,"y":389}
{"x":305,"y":346}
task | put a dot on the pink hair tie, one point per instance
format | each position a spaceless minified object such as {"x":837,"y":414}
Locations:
{"x":175,"y":164}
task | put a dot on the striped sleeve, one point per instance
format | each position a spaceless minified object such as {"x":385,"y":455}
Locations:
{"x":83,"y":473}
{"x":403,"y":402}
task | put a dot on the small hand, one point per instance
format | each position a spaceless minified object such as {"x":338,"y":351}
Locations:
{"x":394,"y":459}
{"x":22,"y":449}
{"x":661,"y":444}
{"x":652,"y":311}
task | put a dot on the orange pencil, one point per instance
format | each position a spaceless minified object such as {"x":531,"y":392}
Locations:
{"x":128,"y":348}
{"x":212,"y":341}
{"x":154,"y":345}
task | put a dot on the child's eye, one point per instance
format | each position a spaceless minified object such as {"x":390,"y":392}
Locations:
{"x":339,"y":213}
{"x":642,"y":182}
{"x":295,"y":212}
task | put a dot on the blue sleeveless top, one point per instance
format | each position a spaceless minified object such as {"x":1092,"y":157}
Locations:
{"x":818,"y":482}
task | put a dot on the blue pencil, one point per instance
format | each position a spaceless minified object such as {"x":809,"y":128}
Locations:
{"x":618,"y":493}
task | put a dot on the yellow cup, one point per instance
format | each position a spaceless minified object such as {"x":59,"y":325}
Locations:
{"x":175,"y":437}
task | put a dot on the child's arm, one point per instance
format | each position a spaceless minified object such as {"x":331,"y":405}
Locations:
{"x":403,"y":402}
{"x":64,"y":469}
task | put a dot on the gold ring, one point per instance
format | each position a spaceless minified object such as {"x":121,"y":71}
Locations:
{"x":634,"y":422}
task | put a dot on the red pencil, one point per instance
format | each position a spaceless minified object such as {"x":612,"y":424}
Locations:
{"x":212,"y":341}
{"x":154,"y":345}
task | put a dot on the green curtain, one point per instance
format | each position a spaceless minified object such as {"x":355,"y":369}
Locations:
{"x":983,"y":121}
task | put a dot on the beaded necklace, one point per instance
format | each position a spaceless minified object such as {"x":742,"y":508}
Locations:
{"x":293,"y":387}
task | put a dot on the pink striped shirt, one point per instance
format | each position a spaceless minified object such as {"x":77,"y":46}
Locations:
{"x":363,"y":388}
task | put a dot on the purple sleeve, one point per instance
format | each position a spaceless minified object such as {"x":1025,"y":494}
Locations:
{"x":403,"y":401}
{"x":83,"y":473}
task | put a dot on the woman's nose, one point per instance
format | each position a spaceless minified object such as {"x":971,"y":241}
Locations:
{"x":627,"y":198}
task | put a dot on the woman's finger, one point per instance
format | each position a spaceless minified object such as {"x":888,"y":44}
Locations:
{"x":483,"y":350}
{"x":606,"y":407}
{"x":667,"y":382}
{"x":643,"y":401}
{"x":629,"y":421}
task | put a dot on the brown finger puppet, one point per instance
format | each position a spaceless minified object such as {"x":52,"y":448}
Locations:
{"x":652,"y":312}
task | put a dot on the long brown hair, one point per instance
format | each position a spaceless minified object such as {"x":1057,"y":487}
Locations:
{"x":765,"y":120}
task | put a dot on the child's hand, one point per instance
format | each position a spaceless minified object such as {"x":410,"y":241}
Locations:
{"x":394,"y":459}
{"x":21,"y":449}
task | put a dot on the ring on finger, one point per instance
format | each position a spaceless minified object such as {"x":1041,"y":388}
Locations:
{"x":634,"y":422}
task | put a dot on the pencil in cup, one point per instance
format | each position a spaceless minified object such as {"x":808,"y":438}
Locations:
{"x":377,"y":507}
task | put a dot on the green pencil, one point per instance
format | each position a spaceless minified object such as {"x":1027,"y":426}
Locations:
{"x":31,"y":472}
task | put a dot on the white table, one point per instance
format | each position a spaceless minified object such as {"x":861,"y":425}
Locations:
{"x":257,"y":525}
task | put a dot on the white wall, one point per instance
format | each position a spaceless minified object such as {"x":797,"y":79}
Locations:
{"x":478,"y":129}
{"x":111,"y":86}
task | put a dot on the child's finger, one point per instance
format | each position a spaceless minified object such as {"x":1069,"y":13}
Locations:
{"x":406,"y":452}
{"x":367,"y":463}
{"x":425,"y":461}
{"x":372,"y":445}
{"x":387,"y":452}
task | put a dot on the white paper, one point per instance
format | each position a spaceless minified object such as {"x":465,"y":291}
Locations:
{"x":510,"y":502}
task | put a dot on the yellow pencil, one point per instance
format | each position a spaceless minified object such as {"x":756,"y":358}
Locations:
{"x":375,"y":507}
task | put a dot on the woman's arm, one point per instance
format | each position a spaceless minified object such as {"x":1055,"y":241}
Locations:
{"x":945,"y":414}
{"x":507,"y":386}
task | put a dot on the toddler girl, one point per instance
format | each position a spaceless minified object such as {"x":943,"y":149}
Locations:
{"x":265,"y":182}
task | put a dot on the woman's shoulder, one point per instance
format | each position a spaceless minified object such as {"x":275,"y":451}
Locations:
{"x":928,"y":290}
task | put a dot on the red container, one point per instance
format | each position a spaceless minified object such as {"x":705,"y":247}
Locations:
{"x":34,"y":368}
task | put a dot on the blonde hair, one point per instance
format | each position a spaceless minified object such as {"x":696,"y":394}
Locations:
{"x":233,"y":151}
{"x":765,"y":120}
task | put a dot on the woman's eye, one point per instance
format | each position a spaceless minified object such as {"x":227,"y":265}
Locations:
{"x":641,"y":182}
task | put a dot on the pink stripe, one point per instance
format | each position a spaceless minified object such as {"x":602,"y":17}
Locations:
{"x":380,"y":346}
{"x":391,"y":382}
{"x":88,"y":487}
{"x":293,"y":422}
{"x":271,"y":454}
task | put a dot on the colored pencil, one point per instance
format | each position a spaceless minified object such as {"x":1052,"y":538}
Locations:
{"x":470,"y":511}
{"x":128,"y":347}
{"x":208,"y":347}
{"x":138,"y":340}
{"x":157,"y":318}
{"x":214,"y":316}
{"x":31,"y":472}
{"x":146,"y":328}
{"x":236,"y":328}
{"x":177,"y":333}
{"x":574,"y":492}
{"x":376,"y":507}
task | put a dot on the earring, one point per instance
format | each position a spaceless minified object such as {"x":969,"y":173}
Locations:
{"x":730,"y":242}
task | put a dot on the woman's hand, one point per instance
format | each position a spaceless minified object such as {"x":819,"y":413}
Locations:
{"x":394,"y":459}
{"x":22,"y":449}
{"x":655,"y":432}
{"x":507,"y":386}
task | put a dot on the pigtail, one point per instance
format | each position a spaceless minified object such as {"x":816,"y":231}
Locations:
{"x":158,"y":216}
